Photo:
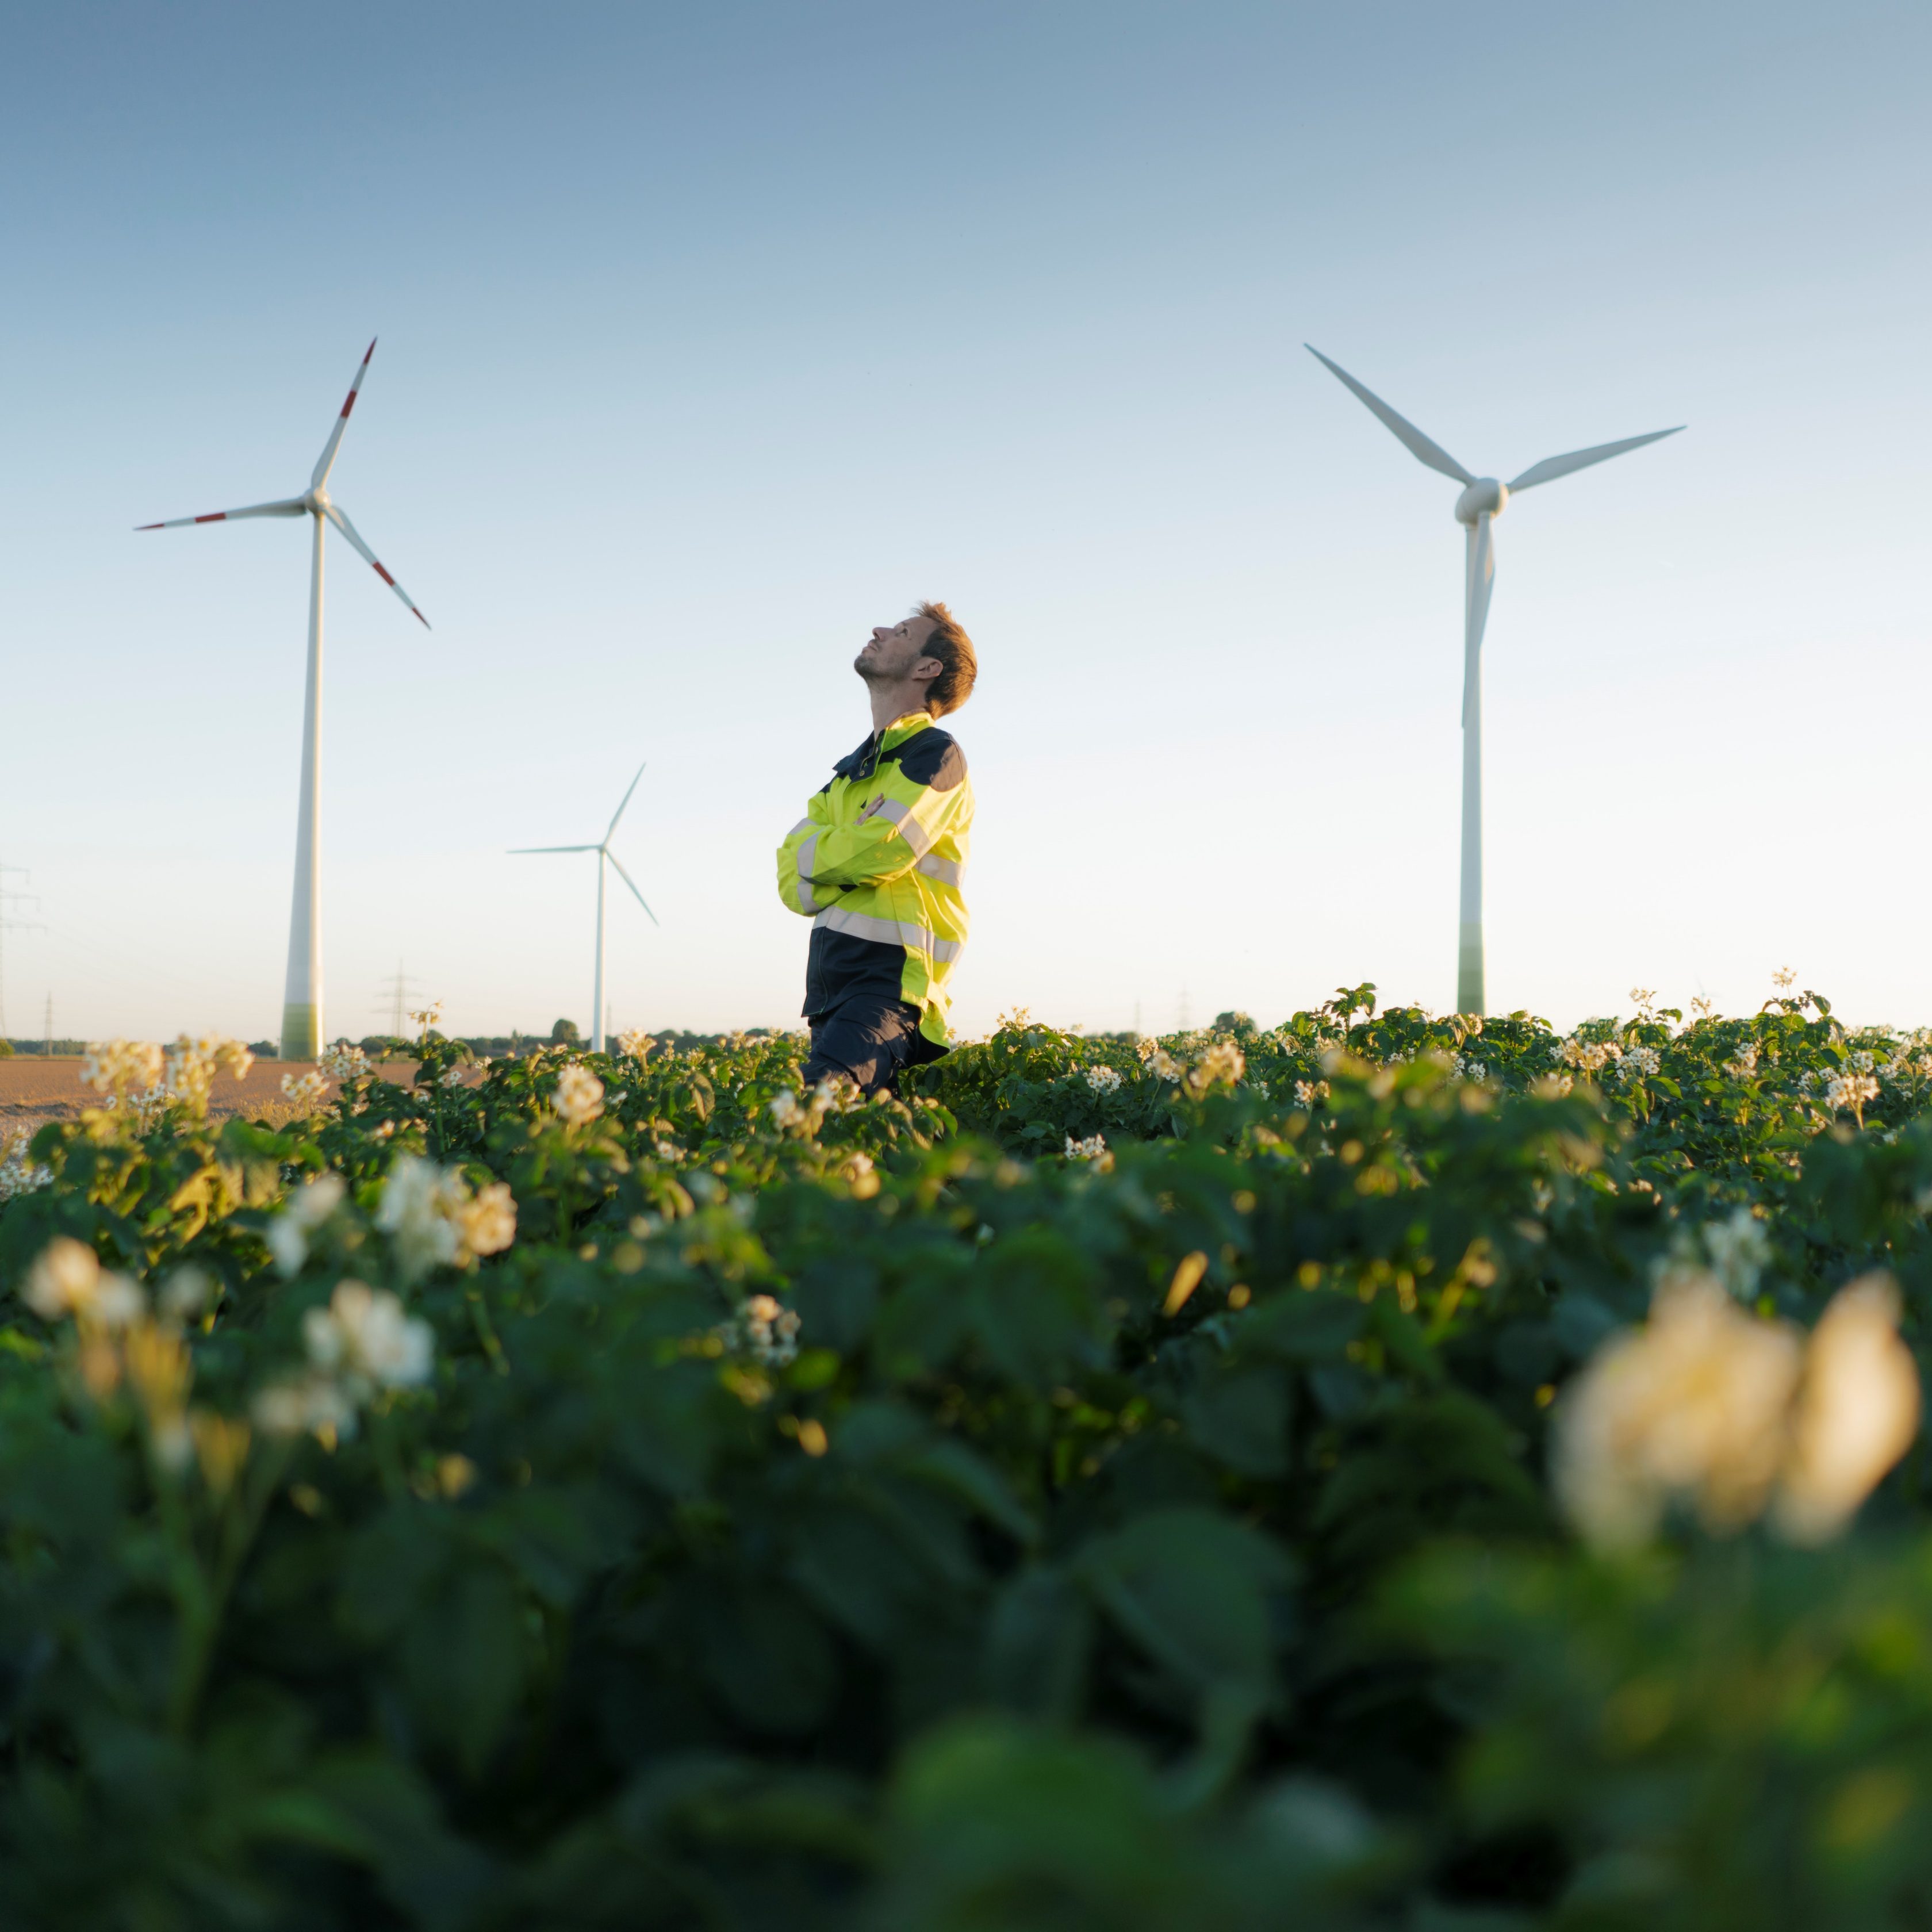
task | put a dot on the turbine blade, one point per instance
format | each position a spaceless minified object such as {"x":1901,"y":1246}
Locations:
{"x":1481,"y":577}
{"x":1418,"y":444}
{"x":620,"y":812}
{"x":341,"y":522}
{"x":518,"y":851}
{"x":631,"y":883}
{"x":1552,"y":467}
{"x":287,"y":506}
{"x":327,"y":458}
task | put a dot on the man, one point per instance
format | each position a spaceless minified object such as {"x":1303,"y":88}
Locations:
{"x":875,"y":863}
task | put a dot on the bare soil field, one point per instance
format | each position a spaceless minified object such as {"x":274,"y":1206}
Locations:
{"x":33,"y":1090}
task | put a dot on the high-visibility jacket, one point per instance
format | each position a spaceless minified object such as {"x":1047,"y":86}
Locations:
{"x":875,"y":865}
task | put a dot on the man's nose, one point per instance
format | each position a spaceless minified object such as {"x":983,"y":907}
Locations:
{"x":878,"y":631}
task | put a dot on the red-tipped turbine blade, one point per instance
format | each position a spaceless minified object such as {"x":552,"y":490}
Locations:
{"x":348,"y":529}
{"x":288,"y":506}
{"x":323,"y":462}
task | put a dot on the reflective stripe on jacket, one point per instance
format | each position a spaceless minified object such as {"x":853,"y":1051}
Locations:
{"x":876,"y":864}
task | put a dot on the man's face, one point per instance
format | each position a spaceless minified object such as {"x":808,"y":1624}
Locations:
{"x":894,"y":650}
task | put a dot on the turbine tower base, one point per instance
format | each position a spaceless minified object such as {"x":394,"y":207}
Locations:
{"x":300,"y":1026}
{"x":1469,"y":971}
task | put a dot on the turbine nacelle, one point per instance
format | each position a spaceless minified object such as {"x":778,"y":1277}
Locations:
{"x":1485,"y":495}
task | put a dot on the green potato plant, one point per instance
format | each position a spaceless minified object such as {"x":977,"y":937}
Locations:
{"x":1110,"y":1483}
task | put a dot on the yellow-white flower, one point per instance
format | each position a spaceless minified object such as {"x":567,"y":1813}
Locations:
{"x":419,"y":1201}
{"x":122,"y":1066}
{"x":487,"y":1223}
{"x":309,"y":1206}
{"x":1857,"y":1411}
{"x":63,"y":1279}
{"x":1103,"y":1079}
{"x":1223,"y":1061}
{"x":67,"y":1278}
{"x":1693,"y":1405}
{"x":305,"y":1090}
{"x":769,"y":1330}
{"x":344,"y":1063}
{"x":1709,"y":1404}
{"x":634,"y":1044}
{"x":363,"y":1338}
{"x":579,"y":1098}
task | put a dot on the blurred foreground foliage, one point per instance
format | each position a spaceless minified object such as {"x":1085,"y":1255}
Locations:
{"x":826,"y":1515}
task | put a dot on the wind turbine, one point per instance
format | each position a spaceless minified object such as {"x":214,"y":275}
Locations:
{"x":301,"y":996}
{"x":603,"y":850}
{"x":1483,"y":500}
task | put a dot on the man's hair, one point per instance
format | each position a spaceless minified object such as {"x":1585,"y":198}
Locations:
{"x":954,"y":649}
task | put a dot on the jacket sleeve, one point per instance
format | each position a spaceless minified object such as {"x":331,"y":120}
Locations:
{"x":796,"y":857}
{"x":893,"y":834}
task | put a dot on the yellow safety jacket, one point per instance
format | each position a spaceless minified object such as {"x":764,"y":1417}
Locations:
{"x":875,"y":865}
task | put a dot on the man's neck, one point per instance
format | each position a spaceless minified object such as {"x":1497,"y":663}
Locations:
{"x":891,"y":702}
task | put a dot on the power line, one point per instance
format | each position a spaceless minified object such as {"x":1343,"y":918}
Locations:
{"x":399,"y":990}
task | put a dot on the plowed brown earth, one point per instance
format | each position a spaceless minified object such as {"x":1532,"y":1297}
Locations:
{"x":33,"y":1090}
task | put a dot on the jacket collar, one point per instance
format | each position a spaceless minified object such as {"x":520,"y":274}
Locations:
{"x":862,"y":762}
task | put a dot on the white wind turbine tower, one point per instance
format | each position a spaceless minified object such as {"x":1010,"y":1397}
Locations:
{"x":301,"y":996}
{"x":1483,"y":500}
{"x":602,"y":849}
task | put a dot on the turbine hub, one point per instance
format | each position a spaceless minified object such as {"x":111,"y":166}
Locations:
{"x":1485,"y":493}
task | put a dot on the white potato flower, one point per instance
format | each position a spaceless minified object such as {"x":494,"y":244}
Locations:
{"x":63,"y":1279}
{"x":1224,"y":1061}
{"x":67,"y":1280}
{"x":579,"y":1097}
{"x":1103,"y":1079}
{"x":419,"y":1199}
{"x":194,"y":1061}
{"x":1857,"y":1411}
{"x":18,"y":1174}
{"x":1737,"y":1416}
{"x":305,"y":1090}
{"x":769,"y":1331}
{"x":364,"y":1339}
{"x":344,"y":1063}
{"x":487,"y":1223}
{"x":317,"y":1403}
{"x":1693,"y":1405}
{"x":1850,"y":1091}
{"x":1740,"y":1249}
{"x":308,"y":1206}
{"x":122,"y":1066}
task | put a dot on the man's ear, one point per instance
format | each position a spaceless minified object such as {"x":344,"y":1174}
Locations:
{"x":926,"y":669}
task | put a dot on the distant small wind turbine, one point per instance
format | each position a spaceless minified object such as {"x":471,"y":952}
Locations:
{"x":1483,"y":500}
{"x":603,"y":850}
{"x":301,"y":996}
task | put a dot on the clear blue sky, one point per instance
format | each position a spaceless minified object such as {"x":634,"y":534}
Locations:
{"x":711,"y":336}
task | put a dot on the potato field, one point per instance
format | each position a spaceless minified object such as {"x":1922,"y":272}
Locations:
{"x":1389,"y":1471}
